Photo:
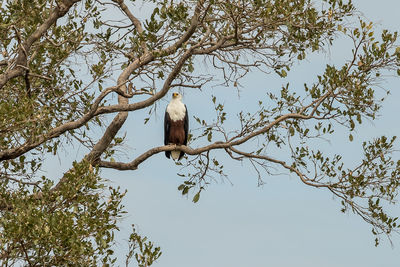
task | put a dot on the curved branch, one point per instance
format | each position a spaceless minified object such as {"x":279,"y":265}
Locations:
{"x":302,"y":177}
{"x":133,"y":165}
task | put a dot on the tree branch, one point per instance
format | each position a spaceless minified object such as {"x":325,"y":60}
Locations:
{"x":302,"y":177}
{"x":58,"y":12}
{"x":133,"y":165}
{"x":55,"y":132}
{"x":133,"y":19}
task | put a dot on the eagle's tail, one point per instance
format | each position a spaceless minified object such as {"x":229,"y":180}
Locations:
{"x":176,"y":154}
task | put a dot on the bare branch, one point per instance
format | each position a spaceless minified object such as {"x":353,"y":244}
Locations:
{"x":302,"y":177}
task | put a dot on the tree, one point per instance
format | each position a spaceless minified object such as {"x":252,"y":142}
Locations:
{"x":57,"y":69}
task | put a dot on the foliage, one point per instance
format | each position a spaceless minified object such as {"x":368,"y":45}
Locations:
{"x":147,"y":255}
{"x":59,"y":63}
{"x":73,"y":225}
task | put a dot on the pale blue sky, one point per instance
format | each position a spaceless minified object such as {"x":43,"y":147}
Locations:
{"x":284,"y":223}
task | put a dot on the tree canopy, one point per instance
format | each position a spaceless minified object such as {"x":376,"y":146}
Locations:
{"x":71,"y":72}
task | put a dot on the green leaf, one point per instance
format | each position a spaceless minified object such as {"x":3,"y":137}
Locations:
{"x":181,"y":187}
{"x":185,"y":190}
{"x":209,"y":136}
{"x":196,"y":197}
{"x":291,"y":131}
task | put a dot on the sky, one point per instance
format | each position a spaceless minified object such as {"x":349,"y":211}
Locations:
{"x":282,"y":223}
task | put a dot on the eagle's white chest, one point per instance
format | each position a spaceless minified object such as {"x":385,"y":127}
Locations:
{"x":176,"y":110}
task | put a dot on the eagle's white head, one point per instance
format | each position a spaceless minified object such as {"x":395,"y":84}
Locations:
{"x":176,"y":96}
{"x":176,"y":109}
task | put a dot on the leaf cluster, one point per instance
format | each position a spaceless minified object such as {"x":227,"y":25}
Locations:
{"x":73,"y":225}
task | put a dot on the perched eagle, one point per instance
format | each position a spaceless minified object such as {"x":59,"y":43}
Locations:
{"x":176,"y":125}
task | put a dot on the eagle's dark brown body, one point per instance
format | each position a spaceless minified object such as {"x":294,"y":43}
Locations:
{"x":177,"y":133}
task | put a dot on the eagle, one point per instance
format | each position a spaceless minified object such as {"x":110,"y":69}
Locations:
{"x":176,"y":125}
